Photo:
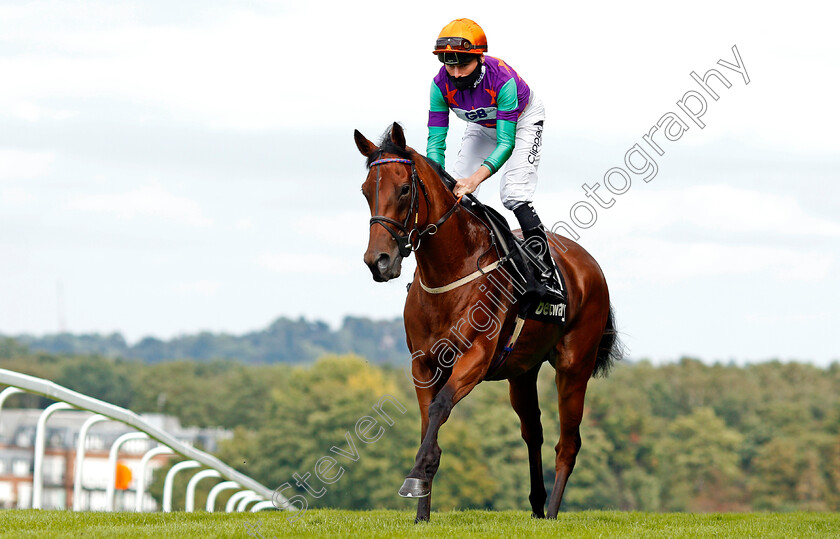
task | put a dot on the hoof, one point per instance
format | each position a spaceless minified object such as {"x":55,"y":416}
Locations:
{"x":538,"y":515}
{"x":415,"y":488}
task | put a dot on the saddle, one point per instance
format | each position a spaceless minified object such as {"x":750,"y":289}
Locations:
{"x":535,"y":303}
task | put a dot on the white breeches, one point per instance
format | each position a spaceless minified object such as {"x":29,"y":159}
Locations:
{"x":519,"y":173}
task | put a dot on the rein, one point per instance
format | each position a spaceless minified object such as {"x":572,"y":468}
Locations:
{"x":403,"y":236}
{"x":406,"y":246}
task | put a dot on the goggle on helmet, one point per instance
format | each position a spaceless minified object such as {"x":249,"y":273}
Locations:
{"x":460,"y":41}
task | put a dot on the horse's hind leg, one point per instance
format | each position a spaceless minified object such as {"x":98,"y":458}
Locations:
{"x":573,"y":374}
{"x":523,"y":397}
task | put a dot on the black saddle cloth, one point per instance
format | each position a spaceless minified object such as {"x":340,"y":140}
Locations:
{"x":535,"y":302}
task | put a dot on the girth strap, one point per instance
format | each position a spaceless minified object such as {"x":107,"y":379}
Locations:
{"x":499,"y":361}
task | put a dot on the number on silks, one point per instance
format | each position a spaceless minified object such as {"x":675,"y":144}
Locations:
{"x":476,"y":114}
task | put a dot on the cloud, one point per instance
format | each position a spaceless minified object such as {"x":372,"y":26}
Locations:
{"x":230,"y":64}
{"x":717,"y":209}
{"x":244,"y":224}
{"x":217,"y":71}
{"x":31,"y":112}
{"x":205,"y":287}
{"x":723,"y":207}
{"x":678,"y":235}
{"x":24,"y":165}
{"x":347,"y":228}
{"x":147,"y":201}
{"x":312,"y":263}
{"x":652,"y":260}
{"x":15,"y":196}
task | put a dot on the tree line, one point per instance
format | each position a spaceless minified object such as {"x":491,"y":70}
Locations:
{"x":283,"y":341}
{"x":683,"y":436}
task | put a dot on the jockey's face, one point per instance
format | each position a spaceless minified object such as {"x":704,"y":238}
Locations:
{"x":462,"y":70}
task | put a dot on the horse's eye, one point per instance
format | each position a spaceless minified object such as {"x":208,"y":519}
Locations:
{"x":405,"y":189}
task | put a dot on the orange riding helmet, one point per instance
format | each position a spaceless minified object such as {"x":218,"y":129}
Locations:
{"x":461,"y":36}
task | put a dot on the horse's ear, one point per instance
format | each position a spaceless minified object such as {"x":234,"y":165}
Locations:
{"x":397,"y":135}
{"x":364,"y":145}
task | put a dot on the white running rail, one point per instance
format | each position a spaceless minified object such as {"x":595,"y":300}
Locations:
{"x":21,"y":382}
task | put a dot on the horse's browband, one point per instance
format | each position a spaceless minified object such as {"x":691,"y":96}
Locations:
{"x":392,"y":160}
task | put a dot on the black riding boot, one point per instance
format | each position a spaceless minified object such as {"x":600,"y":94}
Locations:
{"x":537,"y":244}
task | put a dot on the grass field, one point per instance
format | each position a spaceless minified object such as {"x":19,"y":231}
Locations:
{"x":335,"y":523}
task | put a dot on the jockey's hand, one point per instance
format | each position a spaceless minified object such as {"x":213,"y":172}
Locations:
{"x":465,"y":186}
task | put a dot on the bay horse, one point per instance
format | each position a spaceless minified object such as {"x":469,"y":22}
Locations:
{"x":459,"y":312}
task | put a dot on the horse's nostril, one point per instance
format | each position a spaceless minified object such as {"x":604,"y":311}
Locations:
{"x":383,"y":262}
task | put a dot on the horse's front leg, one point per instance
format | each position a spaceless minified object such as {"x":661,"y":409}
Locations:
{"x":427,"y":384}
{"x":467,"y":372}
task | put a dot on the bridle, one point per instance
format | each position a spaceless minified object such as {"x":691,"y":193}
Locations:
{"x":406,"y":243}
{"x":409,"y":240}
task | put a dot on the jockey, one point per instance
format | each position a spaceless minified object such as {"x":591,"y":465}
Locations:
{"x":505,"y":124}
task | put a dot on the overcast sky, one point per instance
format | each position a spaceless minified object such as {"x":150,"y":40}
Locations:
{"x":172,"y":167}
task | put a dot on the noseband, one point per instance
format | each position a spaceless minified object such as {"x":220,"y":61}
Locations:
{"x":403,"y":236}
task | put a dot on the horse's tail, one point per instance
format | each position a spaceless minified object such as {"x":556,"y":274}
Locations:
{"x":610,"y":349}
